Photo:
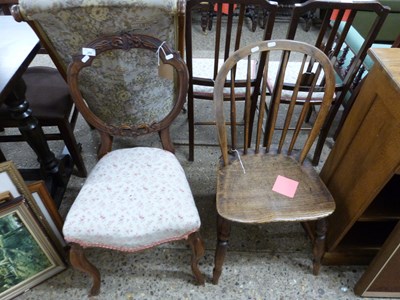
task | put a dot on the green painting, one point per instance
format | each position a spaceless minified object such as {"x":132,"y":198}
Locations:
{"x":21,"y":257}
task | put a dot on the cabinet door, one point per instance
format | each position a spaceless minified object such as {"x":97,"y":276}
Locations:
{"x":382,"y":277}
{"x":366,"y":153}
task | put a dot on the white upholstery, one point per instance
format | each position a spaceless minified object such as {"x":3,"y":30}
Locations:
{"x":204,"y":68}
{"x":291,"y":74}
{"x":133,"y":199}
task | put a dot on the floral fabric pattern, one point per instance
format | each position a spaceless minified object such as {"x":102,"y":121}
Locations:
{"x":118,"y":79}
{"x":133,"y":199}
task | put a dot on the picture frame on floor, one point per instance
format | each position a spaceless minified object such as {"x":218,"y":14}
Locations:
{"x":11,"y":181}
{"x":27,"y":256}
{"x":48,"y":208}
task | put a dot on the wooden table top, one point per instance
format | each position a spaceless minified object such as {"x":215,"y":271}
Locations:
{"x":389,"y":60}
{"x":18,"y":46}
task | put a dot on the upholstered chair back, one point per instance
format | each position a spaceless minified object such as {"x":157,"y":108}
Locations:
{"x":65,"y":26}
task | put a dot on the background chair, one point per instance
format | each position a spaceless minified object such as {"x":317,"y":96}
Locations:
{"x":134,"y":198}
{"x":227,"y":36}
{"x":340,"y":41}
{"x":51,"y":104}
{"x":256,"y":182}
{"x":63,"y":27}
{"x":350,"y":101}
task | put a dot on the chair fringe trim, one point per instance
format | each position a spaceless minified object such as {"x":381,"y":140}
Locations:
{"x":129,"y":249}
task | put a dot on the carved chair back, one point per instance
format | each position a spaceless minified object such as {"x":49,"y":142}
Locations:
{"x":105,"y":87}
{"x":130,"y":76}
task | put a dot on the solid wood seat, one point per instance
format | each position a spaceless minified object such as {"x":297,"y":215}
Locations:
{"x":247,"y":198}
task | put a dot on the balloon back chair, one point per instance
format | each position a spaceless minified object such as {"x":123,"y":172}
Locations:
{"x":231,"y":31}
{"x":124,"y":97}
{"x":269,"y":178}
{"x":133,"y":198}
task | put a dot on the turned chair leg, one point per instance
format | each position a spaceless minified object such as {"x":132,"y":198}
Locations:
{"x":79,"y":261}
{"x":319,"y":244}
{"x":223,"y":232}
{"x":197,"y":245}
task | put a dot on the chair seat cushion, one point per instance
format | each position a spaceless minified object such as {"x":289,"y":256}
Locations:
{"x":248,"y":197}
{"x":204,"y":68}
{"x":291,"y":74}
{"x":133,"y":199}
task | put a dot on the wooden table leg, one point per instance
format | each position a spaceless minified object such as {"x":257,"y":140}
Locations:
{"x":54,"y":171}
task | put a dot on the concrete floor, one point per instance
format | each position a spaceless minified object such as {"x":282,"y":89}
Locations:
{"x":272,"y":261}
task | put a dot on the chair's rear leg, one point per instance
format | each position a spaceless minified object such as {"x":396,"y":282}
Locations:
{"x":223,"y":231}
{"x":319,"y":244}
{"x":191,"y":125}
{"x":197,"y":245}
{"x":79,"y":261}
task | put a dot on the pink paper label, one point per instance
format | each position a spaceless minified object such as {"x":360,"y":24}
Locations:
{"x":285,"y":186}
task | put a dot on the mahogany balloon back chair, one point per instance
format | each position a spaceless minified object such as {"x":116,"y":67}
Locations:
{"x":134,"y":198}
{"x":123,"y":96}
{"x":231,"y":31}
{"x":268,"y":177}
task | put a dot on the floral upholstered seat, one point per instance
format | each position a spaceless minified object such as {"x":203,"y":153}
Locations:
{"x":133,"y":199}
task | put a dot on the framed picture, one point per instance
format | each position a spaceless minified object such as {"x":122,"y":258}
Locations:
{"x":48,"y":208}
{"x":12,"y":182}
{"x":27,"y":257}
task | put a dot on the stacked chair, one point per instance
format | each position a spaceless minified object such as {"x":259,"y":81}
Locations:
{"x":225,"y":39}
{"x":335,"y":35}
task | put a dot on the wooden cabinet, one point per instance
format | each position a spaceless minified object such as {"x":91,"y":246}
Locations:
{"x":362,"y":170}
{"x":381,"y":279}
